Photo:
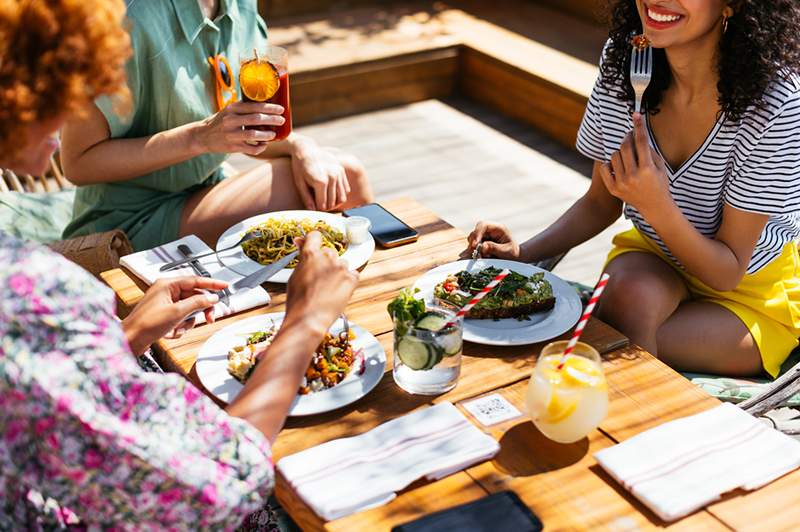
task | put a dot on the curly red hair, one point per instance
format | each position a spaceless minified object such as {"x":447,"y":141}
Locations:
{"x":55,"y":57}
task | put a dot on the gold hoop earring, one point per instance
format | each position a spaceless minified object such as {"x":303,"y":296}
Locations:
{"x":724,"y":24}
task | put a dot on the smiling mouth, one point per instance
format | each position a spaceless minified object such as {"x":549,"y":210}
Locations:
{"x":660,"y":20}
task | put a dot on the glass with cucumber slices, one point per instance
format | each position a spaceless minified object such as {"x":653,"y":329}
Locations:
{"x":427,"y":355}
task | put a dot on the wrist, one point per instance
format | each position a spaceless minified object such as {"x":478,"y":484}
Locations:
{"x":655,"y":214}
{"x":305,"y":324}
{"x":194,"y":138}
{"x":299,"y":144}
{"x":133,"y":335}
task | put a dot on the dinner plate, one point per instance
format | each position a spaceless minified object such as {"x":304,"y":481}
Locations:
{"x":356,"y":255}
{"x":212,"y":366}
{"x":541,"y":326}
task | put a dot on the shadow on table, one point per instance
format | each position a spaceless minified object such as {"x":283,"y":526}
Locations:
{"x":524,"y":452}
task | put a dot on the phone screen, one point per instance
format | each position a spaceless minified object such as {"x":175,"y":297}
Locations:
{"x":387,"y":229}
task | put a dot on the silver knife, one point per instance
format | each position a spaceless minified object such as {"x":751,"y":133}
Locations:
{"x":257,"y":278}
{"x":200,"y":270}
{"x":262,"y":275}
{"x":186,"y":251}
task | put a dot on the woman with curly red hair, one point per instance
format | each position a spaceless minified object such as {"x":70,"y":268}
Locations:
{"x":709,"y":175}
{"x":86,"y":437}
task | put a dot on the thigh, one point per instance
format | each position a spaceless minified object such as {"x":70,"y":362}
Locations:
{"x":266,"y":188}
{"x":704,"y":337}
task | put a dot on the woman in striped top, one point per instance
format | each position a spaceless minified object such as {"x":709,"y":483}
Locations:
{"x":709,"y":175}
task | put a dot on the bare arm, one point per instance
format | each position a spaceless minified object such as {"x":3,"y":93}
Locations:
{"x":89,"y":154}
{"x":637,"y":175}
{"x":317,"y":293}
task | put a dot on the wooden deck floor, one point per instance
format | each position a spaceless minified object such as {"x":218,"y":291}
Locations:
{"x":469,"y":163}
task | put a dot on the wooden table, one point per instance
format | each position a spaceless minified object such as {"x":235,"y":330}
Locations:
{"x":561,"y":483}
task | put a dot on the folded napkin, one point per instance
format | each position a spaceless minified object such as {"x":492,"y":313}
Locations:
{"x":352,"y":474}
{"x":685,"y":464}
{"x":146,"y":265}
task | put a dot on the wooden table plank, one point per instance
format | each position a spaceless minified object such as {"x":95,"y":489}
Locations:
{"x":563,"y":484}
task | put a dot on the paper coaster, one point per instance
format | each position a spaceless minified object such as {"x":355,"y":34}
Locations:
{"x":491,"y":409}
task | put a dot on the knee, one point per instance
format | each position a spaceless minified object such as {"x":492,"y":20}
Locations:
{"x":633,"y":303}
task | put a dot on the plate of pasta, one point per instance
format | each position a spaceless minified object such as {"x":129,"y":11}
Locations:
{"x":277,"y":233}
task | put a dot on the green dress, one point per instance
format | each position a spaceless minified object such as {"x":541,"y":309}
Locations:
{"x":172,"y":84}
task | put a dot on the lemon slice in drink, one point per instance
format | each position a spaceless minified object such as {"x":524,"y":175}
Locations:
{"x":559,"y":408}
{"x":582,"y":372}
{"x":259,"y":80}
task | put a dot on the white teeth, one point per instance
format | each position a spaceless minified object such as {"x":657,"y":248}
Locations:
{"x":662,"y":18}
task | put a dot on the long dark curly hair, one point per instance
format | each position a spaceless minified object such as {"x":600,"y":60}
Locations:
{"x":762,"y":42}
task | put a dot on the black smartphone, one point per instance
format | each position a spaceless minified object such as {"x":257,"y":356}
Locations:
{"x":499,"y":512}
{"x":387,"y":228}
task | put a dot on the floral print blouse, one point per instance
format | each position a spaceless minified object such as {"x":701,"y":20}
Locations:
{"x":87,"y":437}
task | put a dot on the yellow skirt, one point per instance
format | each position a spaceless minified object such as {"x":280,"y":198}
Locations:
{"x":768,"y":301}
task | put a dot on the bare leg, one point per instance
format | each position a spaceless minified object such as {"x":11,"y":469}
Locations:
{"x":708,"y":338}
{"x":266,"y":188}
{"x":641,"y":295}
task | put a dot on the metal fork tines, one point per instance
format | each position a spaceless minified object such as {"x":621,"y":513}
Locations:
{"x":641,"y":72}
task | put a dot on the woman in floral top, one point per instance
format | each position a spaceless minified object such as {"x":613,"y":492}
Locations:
{"x":86,"y":437}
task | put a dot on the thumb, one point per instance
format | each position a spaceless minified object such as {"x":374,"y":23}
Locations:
{"x":196,"y":302}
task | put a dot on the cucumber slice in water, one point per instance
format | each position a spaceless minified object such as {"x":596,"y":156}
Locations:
{"x":431,"y":321}
{"x":451,"y":344}
{"x":414,"y":353}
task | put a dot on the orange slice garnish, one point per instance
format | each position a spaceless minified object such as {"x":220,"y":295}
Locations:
{"x":259,"y":80}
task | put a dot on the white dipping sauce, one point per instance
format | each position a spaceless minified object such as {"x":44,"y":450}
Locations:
{"x":357,"y":229}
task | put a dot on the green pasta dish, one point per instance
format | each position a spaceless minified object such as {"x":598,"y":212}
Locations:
{"x":278,"y":236}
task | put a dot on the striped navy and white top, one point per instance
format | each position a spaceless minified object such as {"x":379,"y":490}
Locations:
{"x":752,"y":165}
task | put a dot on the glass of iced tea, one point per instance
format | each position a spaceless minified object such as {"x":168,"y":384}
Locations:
{"x":264,"y":77}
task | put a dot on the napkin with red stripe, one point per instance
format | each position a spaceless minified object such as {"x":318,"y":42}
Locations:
{"x":686,"y":464}
{"x":349,"y":475}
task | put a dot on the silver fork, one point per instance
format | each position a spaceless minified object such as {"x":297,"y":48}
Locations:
{"x":641,"y":72}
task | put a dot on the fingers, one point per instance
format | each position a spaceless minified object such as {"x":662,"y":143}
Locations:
{"x":310,"y":245}
{"x":642,"y":142}
{"x":306,"y":196}
{"x":332,"y":193}
{"x":255,"y":119}
{"x":492,"y":249}
{"x":344,"y":189}
{"x":190,"y":283}
{"x":627,"y":152}
{"x":246,"y":108}
{"x":320,"y":194}
{"x":606,"y":174}
{"x":196,"y":302}
{"x":476,"y":236}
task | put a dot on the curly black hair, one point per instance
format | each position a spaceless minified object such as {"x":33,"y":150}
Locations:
{"x":762,"y":42}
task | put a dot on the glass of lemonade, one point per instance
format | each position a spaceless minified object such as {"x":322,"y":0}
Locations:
{"x":567,"y":404}
{"x":264,"y":77}
{"x":427,"y":356}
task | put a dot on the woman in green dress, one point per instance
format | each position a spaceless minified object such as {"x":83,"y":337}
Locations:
{"x":157,"y":172}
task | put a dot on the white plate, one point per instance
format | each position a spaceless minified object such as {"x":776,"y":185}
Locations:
{"x":212,"y":366}
{"x":356,"y":255}
{"x":542,"y":325}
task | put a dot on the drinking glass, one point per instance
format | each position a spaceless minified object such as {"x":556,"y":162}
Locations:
{"x":568,"y":403}
{"x":427,"y":358}
{"x":277,"y":58}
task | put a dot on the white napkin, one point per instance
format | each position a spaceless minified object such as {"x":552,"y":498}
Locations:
{"x":348,"y":475}
{"x":146,"y":265}
{"x":686,"y":464}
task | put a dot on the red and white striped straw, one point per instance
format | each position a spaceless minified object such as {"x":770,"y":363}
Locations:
{"x":598,"y":291}
{"x":480,"y":295}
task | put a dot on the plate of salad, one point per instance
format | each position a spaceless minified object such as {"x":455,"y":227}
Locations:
{"x":343,"y":369}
